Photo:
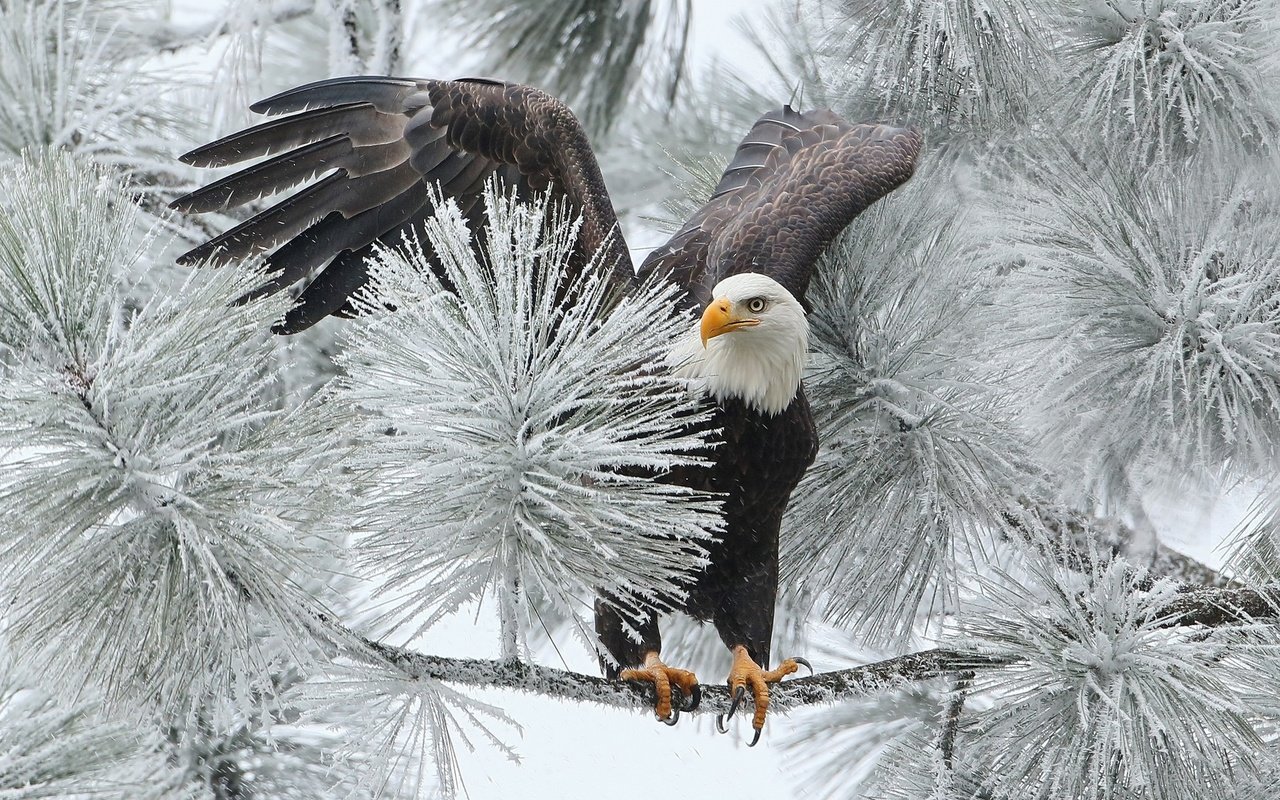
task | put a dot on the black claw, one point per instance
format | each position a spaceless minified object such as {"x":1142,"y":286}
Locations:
{"x":693,"y":700}
{"x":755,"y":738}
{"x":675,"y":716}
{"x":733,"y":709}
{"x":721,"y":719}
{"x":804,"y":662}
{"x":737,"y":701}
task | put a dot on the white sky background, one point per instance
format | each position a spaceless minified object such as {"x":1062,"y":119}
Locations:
{"x":571,"y":751}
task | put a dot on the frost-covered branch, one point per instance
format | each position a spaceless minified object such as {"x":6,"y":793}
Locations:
{"x":1074,"y":538}
{"x":825,"y":687}
{"x":951,"y":718}
{"x":171,"y":38}
{"x":1207,"y":607}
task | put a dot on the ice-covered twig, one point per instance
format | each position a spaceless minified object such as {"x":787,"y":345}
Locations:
{"x":1077,"y":537}
{"x":951,"y":717}
{"x":171,"y":38}
{"x":1208,"y":607}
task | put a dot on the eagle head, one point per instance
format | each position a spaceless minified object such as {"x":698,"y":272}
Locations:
{"x":751,"y":344}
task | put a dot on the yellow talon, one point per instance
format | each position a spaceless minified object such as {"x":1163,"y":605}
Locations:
{"x":746,"y":674}
{"x":663,"y":678}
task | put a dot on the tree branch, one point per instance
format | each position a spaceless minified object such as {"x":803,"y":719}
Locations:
{"x":826,"y":687}
{"x":172,"y":38}
{"x":1214,"y":607}
{"x":1077,"y":536}
{"x":951,"y":718}
{"x":1206,"y":607}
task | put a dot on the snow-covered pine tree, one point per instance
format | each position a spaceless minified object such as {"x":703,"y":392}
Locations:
{"x":209,"y":564}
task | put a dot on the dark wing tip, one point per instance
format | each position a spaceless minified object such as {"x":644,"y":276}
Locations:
{"x":481,"y":80}
{"x":190,"y":258}
{"x":333,"y":91}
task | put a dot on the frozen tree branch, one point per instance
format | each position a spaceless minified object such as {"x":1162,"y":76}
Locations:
{"x":171,"y":38}
{"x":1214,"y":607}
{"x":1207,"y":607}
{"x":1077,"y":537}
{"x":826,"y":687}
{"x":951,"y":718}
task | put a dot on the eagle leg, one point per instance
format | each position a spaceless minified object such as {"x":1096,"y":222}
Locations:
{"x":746,"y":675}
{"x":663,"y":678}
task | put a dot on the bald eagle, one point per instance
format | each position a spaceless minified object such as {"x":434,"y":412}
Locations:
{"x":377,"y":145}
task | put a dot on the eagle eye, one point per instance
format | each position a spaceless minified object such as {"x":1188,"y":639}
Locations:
{"x":756,"y":304}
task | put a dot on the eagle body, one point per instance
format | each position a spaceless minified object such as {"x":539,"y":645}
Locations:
{"x":369,"y":152}
{"x":757,"y":461}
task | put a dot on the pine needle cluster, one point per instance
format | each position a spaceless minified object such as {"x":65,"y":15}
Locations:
{"x":1151,"y":309}
{"x":1105,"y":699}
{"x":53,"y":749}
{"x":511,"y":439}
{"x":1161,"y":79}
{"x":68,"y":84}
{"x":159,"y":509}
{"x":918,"y":443}
{"x":953,"y":64}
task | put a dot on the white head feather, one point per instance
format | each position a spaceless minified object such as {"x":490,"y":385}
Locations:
{"x":759,"y":356}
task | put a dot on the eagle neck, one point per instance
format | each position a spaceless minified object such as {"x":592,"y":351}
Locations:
{"x":762,"y":372}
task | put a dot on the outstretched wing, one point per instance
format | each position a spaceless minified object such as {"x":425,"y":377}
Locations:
{"x":376,"y":145}
{"x":796,"y":181}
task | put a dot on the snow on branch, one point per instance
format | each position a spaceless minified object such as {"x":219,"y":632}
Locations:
{"x":1208,"y":608}
{"x":171,"y":38}
{"x":511,"y":466}
{"x":1074,"y":536}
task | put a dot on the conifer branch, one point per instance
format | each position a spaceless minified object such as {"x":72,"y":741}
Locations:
{"x":172,"y":38}
{"x":1077,"y":537}
{"x":951,"y":718}
{"x":1206,"y":607}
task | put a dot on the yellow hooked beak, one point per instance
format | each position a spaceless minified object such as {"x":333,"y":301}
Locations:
{"x":721,"y":317}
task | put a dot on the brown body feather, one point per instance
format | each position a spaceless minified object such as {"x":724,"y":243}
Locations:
{"x":795,"y":182}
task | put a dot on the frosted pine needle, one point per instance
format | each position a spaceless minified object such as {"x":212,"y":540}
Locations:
{"x":511,"y":444}
{"x":918,"y":448}
{"x":1105,"y":700}
{"x":67,"y":84}
{"x":158,"y":505}
{"x":965,"y":63}
{"x":1161,"y":78}
{"x":53,"y":749}
{"x":1152,"y":309}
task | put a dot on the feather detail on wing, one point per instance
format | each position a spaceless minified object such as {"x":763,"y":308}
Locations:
{"x":795,"y":182}
{"x":376,"y":145}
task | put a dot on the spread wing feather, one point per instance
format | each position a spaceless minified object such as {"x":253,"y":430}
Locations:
{"x":377,"y":145}
{"x":795,"y":182}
